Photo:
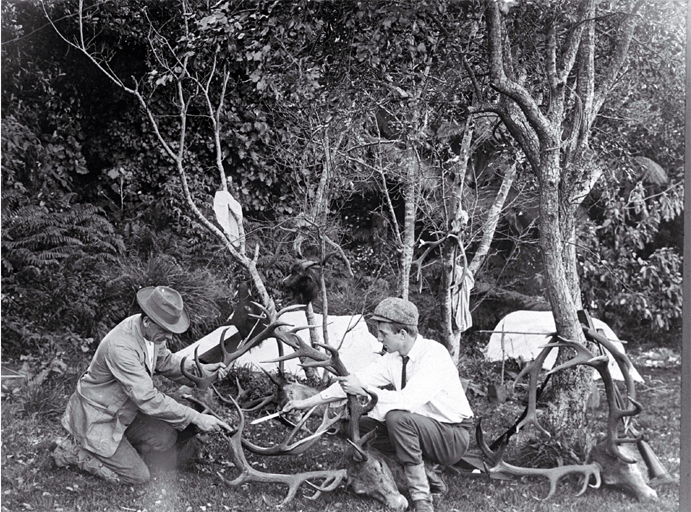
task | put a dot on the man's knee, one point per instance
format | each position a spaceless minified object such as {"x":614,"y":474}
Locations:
{"x":137,"y":474}
{"x":164,"y":441}
{"x":396,"y":419}
{"x":160,"y":441}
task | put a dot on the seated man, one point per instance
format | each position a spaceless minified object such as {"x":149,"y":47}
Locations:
{"x":425,"y":417}
{"x":116,"y":415}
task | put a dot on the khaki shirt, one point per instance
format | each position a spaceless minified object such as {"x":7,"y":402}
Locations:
{"x":117,"y":385}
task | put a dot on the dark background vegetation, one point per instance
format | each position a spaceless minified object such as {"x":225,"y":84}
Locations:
{"x":90,"y":212}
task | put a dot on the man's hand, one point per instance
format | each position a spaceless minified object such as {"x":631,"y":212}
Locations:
{"x":352,"y":385}
{"x":209,"y":423}
{"x":218,"y":368}
{"x":294,"y":405}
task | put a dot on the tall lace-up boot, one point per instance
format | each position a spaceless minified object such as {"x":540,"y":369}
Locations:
{"x":418,"y":487}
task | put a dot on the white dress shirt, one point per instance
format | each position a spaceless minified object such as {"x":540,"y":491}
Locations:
{"x":149,"y":353}
{"x":433,"y":388}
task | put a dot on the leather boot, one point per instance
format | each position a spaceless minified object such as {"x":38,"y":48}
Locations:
{"x":66,"y":452}
{"x":418,"y":487}
{"x":434,"y":477}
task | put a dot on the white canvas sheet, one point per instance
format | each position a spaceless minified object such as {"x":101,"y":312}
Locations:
{"x":525,"y":332}
{"x":358,"y":347}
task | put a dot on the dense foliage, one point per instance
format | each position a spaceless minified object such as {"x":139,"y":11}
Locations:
{"x":92,"y":208}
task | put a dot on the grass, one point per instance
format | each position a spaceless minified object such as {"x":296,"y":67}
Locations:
{"x":30,"y":483}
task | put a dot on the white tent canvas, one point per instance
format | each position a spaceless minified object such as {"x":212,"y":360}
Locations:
{"x":357,"y":347}
{"x":525,"y":332}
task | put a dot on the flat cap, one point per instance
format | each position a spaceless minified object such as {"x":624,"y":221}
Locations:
{"x":393,"y":309}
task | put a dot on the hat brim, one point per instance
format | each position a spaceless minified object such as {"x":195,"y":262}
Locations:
{"x":178,"y":327}
{"x":379,"y":318}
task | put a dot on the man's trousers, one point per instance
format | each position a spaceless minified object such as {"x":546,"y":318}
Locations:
{"x":150,"y":443}
{"x":414,"y":438}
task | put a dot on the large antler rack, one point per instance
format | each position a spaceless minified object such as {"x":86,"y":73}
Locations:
{"x":203,"y":382}
{"x":330,"y":479}
{"x":303,"y":350}
{"x":500,"y":467}
{"x":620,"y":408}
{"x":270,"y":331}
{"x":288,"y":446}
{"x":617,"y":411}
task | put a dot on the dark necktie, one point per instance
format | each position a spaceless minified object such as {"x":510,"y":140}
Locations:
{"x":403,"y":377}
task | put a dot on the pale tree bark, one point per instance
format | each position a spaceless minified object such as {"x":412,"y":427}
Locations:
{"x":455,"y":264}
{"x":191,"y":85}
{"x":411,"y":164}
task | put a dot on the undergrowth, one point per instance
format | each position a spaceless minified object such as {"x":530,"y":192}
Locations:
{"x":30,"y":422}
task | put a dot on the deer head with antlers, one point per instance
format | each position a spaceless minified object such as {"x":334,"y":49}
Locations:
{"x":361,"y":464}
{"x":611,"y":461}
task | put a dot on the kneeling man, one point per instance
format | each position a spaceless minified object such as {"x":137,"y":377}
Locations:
{"x":426,"y":417}
{"x":116,"y":417}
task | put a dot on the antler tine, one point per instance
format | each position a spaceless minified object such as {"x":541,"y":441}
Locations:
{"x":302,"y":349}
{"x":620,"y":358}
{"x":553,"y":474}
{"x":331,"y":364}
{"x":583,"y":356}
{"x":200,"y":382}
{"x":331,"y":478}
{"x":287,"y":446}
{"x":533,"y":370}
{"x":616,"y":413}
{"x":224,"y":352}
{"x":494,"y":456}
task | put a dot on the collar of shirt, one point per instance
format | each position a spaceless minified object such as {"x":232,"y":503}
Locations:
{"x":148,"y":345}
{"x":416,"y":351}
{"x":149,"y":352}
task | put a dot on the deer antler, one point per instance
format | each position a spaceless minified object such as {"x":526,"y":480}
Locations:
{"x":200,"y":381}
{"x":268,"y":332}
{"x":287,"y":446}
{"x":553,"y":474}
{"x":302,"y":349}
{"x":533,"y":370}
{"x":617,"y":411}
{"x":330,"y":479}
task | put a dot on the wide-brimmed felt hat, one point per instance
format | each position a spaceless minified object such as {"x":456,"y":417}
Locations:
{"x":393,"y":309}
{"x":164,"y":306}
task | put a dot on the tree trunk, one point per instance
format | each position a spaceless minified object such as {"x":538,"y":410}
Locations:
{"x":411,"y":187}
{"x":566,"y":407}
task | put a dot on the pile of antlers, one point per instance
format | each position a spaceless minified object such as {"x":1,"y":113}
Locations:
{"x":320,"y":481}
{"x":610,"y":462}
